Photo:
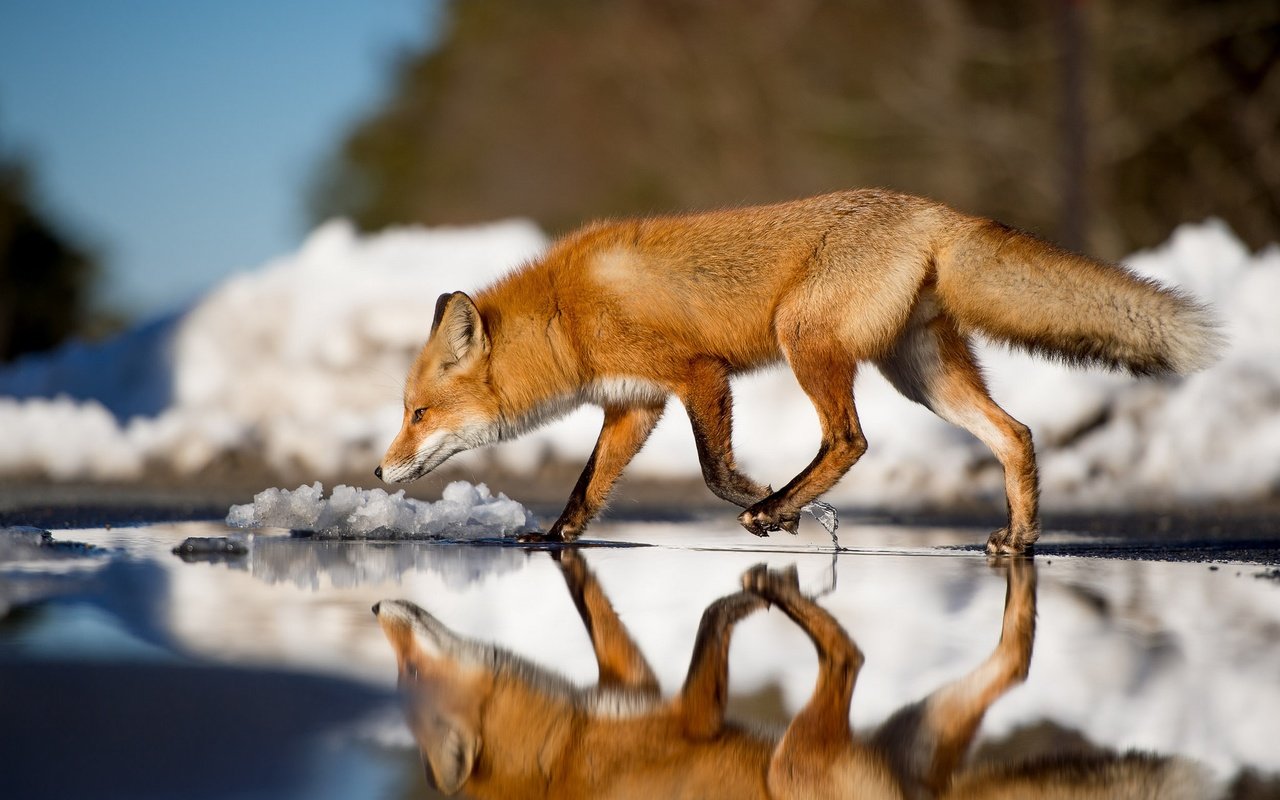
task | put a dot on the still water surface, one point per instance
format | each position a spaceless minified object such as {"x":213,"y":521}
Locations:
{"x":127,"y":671}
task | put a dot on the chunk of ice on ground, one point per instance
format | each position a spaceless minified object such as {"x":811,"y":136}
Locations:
{"x":465,"y":511}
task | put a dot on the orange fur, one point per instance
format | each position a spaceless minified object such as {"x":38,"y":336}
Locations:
{"x":624,"y":314}
{"x":492,"y":725}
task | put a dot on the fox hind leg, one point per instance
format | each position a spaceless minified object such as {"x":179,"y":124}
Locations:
{"x":819,"y":743}
{"x":826,"y":376}
{"x":928,"y":740}
{"x":933,"y":365}
{"x":824,"y":721}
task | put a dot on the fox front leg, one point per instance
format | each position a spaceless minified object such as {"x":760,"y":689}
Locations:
{"x":626,"y":428}
{"x":709,"y":403}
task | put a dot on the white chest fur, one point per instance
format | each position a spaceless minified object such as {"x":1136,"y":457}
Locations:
{"x":621,"y":391}
{"x":624,"y":391}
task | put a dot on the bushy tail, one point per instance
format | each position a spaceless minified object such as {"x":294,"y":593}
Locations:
{"x":1016,"y":288}
{"x":1094,"y":776}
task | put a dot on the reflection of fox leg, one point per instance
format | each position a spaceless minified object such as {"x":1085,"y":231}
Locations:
{"x":824,"y":721}
{"x":818,"y":755}
{"x":927,"y":741}
{"x":706,"y":687}
{"x":620,"y":661}
{"x":933,"y":365}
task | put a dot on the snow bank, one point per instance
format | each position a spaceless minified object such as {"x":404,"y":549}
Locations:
{"x":130,"y":373}
{"x":463,"y":512}
{"x":300,"y":364}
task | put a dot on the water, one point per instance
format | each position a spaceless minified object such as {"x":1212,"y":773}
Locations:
{"x":129,"y":671}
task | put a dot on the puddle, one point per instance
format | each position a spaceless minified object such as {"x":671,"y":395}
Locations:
{"x":127,"y":670}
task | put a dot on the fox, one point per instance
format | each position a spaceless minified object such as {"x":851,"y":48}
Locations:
{"x":625,"y":314}
{"x":490,"y":724}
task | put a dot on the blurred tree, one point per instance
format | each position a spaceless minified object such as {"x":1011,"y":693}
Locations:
{"x":1144,"y":113}
{"x":1189,"y":116}
{"x":44,"y":279}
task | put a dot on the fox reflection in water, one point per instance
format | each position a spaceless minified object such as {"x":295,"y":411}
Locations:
{"x":492,"y":724}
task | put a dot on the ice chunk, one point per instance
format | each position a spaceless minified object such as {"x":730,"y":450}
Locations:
{"x":825,"y":514}
{"x":465,"y":511}
{"x":241,"y":516}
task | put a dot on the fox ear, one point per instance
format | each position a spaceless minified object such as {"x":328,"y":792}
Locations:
{"x":450,"y":759}
{"x":441,"y":302}
{"x":459,"y":322}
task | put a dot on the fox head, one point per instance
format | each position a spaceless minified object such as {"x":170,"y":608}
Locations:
{"x":459,"y":695}
{"x":449,"y":405}
{"x":443,"y":681}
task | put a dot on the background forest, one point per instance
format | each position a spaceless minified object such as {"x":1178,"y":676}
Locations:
{"x":1099,"y":125}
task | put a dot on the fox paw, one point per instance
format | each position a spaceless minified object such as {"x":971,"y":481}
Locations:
{"x":537,"y":537}
{"x":771,"y":584}
{"x":561,"y":531}
{"x":1013,"y":540}
{"x":558,"y":533}
{"x":760,"y":522}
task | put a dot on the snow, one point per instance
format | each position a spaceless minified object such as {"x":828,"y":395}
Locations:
{"x":300,"y":362}
{"x":465,"y":511}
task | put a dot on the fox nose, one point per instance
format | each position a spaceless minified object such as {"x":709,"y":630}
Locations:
{"x":377,"y":472}
{"x":376,"y":606}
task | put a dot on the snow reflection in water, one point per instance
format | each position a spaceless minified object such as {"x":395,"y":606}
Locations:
{"x":1173,"y":658}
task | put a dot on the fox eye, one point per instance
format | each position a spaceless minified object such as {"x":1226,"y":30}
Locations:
{"x":417,"y":414}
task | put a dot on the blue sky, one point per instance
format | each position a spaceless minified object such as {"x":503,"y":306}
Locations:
{"x":178,"y":138}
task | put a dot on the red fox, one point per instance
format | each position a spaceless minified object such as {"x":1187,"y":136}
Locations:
{"x":624,"y":314}
{"x":493,"y":725}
